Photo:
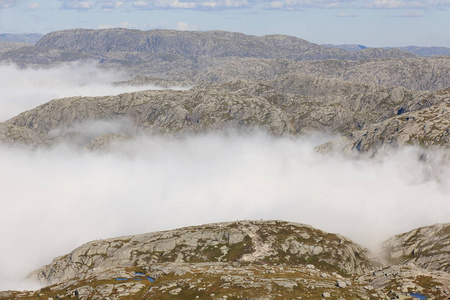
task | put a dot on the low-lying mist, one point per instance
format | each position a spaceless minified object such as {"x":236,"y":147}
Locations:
{"x":55,"y":199}
{"x":24,"y":89}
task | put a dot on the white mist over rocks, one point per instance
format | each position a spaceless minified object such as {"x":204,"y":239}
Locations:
{"x":24,"y":89}
{"x":53,"y":200}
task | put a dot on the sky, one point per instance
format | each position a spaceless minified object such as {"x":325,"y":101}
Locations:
{"x":373,"y":23}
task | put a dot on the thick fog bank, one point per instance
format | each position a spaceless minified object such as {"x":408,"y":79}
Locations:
{"x":24,"y":89}
{"x":56,"y":199}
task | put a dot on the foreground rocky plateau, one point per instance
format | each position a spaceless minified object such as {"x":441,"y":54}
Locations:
{"x":249,"y":260}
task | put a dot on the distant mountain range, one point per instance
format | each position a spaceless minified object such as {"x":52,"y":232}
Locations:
{"x":421,"y":51}
{"x":21,"y":37}
{"x":375,"y":98}
{"x":219,"y":56}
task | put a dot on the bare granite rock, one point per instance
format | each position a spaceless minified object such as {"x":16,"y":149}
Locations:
{"x":427,"y":247}
{"x":243,"y":241}
{"x":428,"y":126}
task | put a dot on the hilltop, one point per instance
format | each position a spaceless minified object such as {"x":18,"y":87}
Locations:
{"x":236,"y":260}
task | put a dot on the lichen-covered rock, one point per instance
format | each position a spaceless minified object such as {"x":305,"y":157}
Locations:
{"x":427,"y":247}
{"x":427,"y":126}
{"x":272,"y":242}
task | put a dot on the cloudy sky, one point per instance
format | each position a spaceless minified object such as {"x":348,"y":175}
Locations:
{"x":369,"y":22}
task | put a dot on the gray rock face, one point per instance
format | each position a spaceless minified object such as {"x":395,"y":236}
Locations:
{"x":427,"y":247}
{"x":11,"y":134}
{"x":11,"y":46}
{"x":244,"y":259}
{"x":158,"y":112}
{"x":427,"y":126}
{"x":411,"y":73}
{"x":243,"y":241}
{"x":371,"y":117}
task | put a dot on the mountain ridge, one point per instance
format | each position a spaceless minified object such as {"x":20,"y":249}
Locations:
{"x":218,"y":56}
{"x":209,"y":43}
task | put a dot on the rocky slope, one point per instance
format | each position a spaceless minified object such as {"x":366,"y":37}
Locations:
{"x":272,"y":242}
{"x":413,"y":73}
{"x":428,"y":124}
{"x":10,"y":46}
{"x":10,"y":134}
{"x":236,"y":260}
{"x":427,"y":247}
{"x":371,"y":117}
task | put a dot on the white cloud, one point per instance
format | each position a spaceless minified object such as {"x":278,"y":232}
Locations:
{"x":33,"y":6}
{"x":186,"y":4}
{"x":303,"y":4}
{"x":109,"y":5}
{"x":54,"y":200}
{"x":78,"y":4}
{"x":44,"y":85}
{"x":336,"y":4}
{"x":402,"y":4}
{"x":7,"y":3}
{"x":185,"y":27}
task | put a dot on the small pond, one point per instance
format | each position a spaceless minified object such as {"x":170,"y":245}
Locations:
{"x":418,"y":296}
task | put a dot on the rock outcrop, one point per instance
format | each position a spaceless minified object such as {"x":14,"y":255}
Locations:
{"x":271,"y":242}
{"x":237,"y":260}
{"x":425,"y":123}
{"x":370,"y":117}
{"x":427,"y":247}
{"x":226,"y":255}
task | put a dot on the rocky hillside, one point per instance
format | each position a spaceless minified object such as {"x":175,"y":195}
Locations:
{"x":189,"y":43}
{"x":427,"y":247}
{"x":11,"y":46}
{"x":234,"y":260}
{"x":428,"y":124}
{"x":370,"y":117}
{"x":414,"y":73}
{"x":218,"y":56}
{"x":271,"y":242}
